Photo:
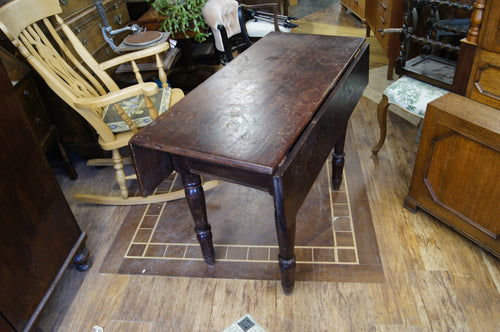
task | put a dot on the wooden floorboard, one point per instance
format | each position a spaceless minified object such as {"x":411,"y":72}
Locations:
{"x":435,"y":279}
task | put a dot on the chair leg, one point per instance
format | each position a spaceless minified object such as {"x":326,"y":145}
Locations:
{"x":382,"y":121}
{"x":124,"y":198}
{"x":120,"y":173}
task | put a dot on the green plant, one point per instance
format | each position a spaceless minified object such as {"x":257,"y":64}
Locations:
{"x":183,"y":16}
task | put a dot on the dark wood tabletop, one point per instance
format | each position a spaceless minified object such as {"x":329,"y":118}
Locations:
{"x":269,"y":119}
{"x":250,"y":112}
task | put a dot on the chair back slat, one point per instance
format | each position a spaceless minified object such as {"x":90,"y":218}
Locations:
{"x":62,"y":72}
{"x":60,"y":58}
{"x":86,"y":56}
{"x":16,"y":15}
{"x":73,"y":59}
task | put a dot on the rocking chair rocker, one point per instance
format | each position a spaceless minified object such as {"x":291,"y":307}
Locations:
{"x":83,"y":83}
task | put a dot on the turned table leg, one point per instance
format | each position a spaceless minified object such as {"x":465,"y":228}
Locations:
{"x":195,"y":197}
{"x":285,"y":230}
{"x":338,"y":161}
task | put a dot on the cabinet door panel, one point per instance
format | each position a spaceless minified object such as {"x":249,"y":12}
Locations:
{"x":462,"y":178}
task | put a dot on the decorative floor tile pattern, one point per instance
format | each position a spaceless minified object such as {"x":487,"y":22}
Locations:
{"x":335,"y":240}
{"x":342,"y":251}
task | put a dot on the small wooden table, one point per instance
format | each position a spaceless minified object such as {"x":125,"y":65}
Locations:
{"x":269,"y":120}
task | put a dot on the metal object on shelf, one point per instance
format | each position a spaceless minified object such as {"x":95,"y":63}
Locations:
{"x":107,"y":30}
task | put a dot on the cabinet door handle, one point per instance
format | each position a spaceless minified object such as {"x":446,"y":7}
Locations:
{"x":38,"y":121}
{"x":118,"y":19}
{"x":383,"y":5}
{"x":27,"y":94}
{"x":382,"y":19}
{"x":63,"y":2}
{"x":356,"y":2}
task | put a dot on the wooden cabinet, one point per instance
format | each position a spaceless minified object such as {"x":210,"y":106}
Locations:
{"x":86,"y":23}
{"x":45,"y":132}
{"x":484,"y":82}
{"x":39,"y":236}
{"x":385,"y":14}
{"x":357,"y":7}
{"x":456,"y":175}
{"x":32,"y":105}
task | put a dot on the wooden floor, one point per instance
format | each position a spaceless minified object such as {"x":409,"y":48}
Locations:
{"x":435,"y":280}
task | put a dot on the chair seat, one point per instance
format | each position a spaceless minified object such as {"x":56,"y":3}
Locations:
{"x":412,"y":95}
{"x":136,"y":109}
{"x":258,"y":28}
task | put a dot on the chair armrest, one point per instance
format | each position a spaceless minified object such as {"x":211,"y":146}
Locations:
{"x":162,"y":47}
{"x":147,"y":89}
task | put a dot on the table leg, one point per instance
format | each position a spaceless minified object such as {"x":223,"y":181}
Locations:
{"x":338,"y":161}
{"x":195,"y":197}
{"x":285,"y":229}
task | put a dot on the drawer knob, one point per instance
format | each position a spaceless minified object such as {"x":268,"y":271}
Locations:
{"x":118,"y":19}
{"x":77,"y":30}
{"x":63,"y":2}
{"x":27,"y":94}
{"x":38,"y":121}
{"x":84,"y":42}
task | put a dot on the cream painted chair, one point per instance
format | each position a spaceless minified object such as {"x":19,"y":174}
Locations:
{"x":83,"y":83}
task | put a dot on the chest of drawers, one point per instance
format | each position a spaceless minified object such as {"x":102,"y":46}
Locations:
{"x":384,"y":14}
{"x":83,"y":18}
{"x":357,"y":7}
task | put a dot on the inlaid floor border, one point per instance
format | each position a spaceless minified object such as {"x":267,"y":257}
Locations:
{"x":248,"y":253}
{"x":354,"y":257}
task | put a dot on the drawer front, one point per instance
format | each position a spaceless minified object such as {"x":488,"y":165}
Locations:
{"x":356,"y":6}
{"x":72,"y":7}
{"x":104,"y":53}
{"x":383,"y":14}
{"x":27,"y":94}
{"x":87,"y":27}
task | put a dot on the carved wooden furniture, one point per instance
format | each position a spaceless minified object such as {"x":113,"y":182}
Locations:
{"x":484,"y":82}
{"x":39,"y":236}
{"x":357,"y":7}
{"x":430,"y":43}
{"x":456,"y":172}
{"x":114,"y":113}
{"x":385,"y":14}
{"x":429,"y":74}
{"x":258,"y":122}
